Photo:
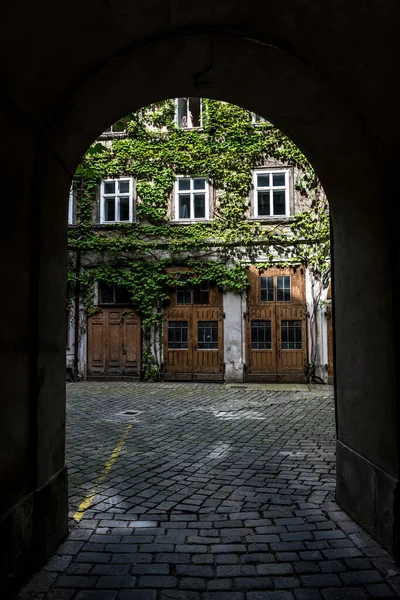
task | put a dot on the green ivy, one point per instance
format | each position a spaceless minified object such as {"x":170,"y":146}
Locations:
{"x":225,"y":151}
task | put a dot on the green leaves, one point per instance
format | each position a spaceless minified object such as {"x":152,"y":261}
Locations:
{"x":225,"y":151}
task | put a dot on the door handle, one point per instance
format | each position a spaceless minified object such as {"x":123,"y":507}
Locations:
{"x":123,"y":349}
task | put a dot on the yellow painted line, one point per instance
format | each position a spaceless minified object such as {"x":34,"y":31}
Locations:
{"x":84,"y":505}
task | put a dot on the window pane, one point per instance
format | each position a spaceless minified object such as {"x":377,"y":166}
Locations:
{"x":109,"y":187}
{"x":184,"y":206}
{"x":124,"y":186}
{"x":263,"y":203}
{"x":258,"y":118}
{"x":267,"y":289}
{"x":178,"y":335}
{"x":109,"y":209}
{"x":261,"y":335}
{"x":278,"y":179}
{"x":207,"y":335}
{"x":199,"y":206}
{"x":184,"y":295}
{"x":122,"y":295}
{"x":279,"y":202}
{"x":124,"y":209}
{"x":291,"y":335}
{"x":106,"y":293}
{"x":262,"y":180}
{"x":182,"y":112}
{"x":194,"y":116}
{"x":283,"y":288}
{"x":201,"y":294}
{"x":184,"y":184}
{"x":199,"y":184}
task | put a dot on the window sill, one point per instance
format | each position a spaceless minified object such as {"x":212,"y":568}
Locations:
{"x":189,"y":221}
{"x":109,"y":135}
{"x":271,"y":219}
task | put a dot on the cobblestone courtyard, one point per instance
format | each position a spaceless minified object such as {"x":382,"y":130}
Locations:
{"x":207,"y":492}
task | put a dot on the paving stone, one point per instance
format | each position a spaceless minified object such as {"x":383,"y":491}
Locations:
{"x":157,"y":581}
{"x":321,"y":580}
{"x":307,"y":594}
{"x":97,"y":595}
{"x":137,"y":595}
{"x":270,"y":595}
{"x":275,"y":569}
{"x":223,"y":596}
{"x":76,"y":581}
{"x":361,"y":577}
{"x":343,"y":594}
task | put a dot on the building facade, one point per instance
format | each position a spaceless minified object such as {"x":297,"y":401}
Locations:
{"x":199,"y":250}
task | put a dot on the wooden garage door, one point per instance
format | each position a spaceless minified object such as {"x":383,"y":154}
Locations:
{"x":114,"y":347}
{"x":276,"y":325}
{"x":193,"y":336}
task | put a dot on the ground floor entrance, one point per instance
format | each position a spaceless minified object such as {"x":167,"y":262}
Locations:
{"x":114,"y":343}
{"x":193,"y":343}
{"x":276,"y":325}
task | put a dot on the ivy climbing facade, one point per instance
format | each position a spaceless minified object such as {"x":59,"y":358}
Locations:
{"x":198,"y":250}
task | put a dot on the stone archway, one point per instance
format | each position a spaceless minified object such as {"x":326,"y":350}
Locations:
{"x":193,"y":55}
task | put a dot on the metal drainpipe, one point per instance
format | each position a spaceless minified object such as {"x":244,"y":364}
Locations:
{"x":76,"y":318}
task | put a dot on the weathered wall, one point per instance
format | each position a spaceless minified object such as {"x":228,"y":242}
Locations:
{"x":234,"y":307}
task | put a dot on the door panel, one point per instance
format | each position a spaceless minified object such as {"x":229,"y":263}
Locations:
{"x":291,"y":361}
{"x":114,"y":332}
{"x":131,"y":344}
{"x":261,"y":362}
{"x":114,"y":347}
{"x":178,"y":361}
{"x":96,"y":345}
{"x":207,"y":329}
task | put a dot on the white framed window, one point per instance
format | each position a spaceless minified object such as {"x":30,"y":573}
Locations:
{"x":257,"y":119}
{"x":116,"y":200}
{"x":191,"y":199}
{"x":71,"y":206}
{"x":188,"y":112}
{"x":271,"y":193}
{"x":119,"y":127}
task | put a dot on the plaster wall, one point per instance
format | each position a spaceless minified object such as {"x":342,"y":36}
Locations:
{"x":234,"y":305}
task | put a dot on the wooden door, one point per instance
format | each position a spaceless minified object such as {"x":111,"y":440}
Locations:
{"x":276,"y":329}
{"x":193,"y":334}
{"x":131,"y":346}
{"x":178,"y":343}
{"x":207,"y":343}
{"x":261,"y":343}
{"x":114,"y":347}
{"x":291,"y":345}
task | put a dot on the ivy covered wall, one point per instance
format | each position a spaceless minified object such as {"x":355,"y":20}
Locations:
{"x":225,"y":150}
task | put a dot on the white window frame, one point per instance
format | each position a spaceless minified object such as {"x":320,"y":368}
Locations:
{"x":271,"y":188}
{"x":71,"y":206}
{"x":117,"y":197}
{"x":189,"y":125}
{"x":110,"y":130}
{"x":192,"y":192}
{"x":257,"y":119}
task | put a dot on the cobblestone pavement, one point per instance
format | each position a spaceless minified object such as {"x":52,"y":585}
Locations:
{"x":207,"y":492}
